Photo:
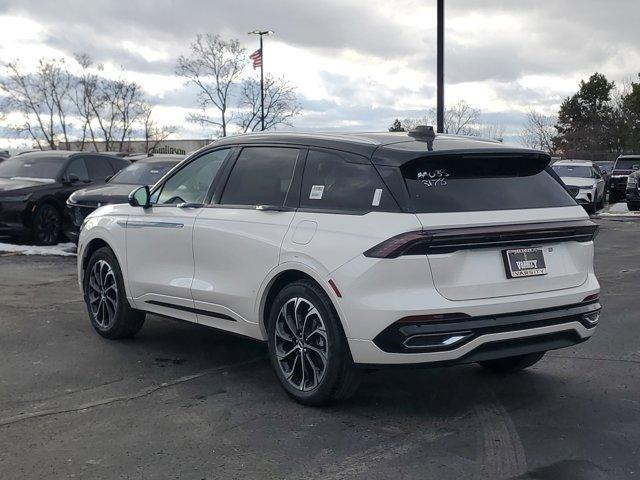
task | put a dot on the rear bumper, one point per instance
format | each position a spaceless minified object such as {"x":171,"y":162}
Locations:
{"x":479,"y":338}
{"x":485,"y":347}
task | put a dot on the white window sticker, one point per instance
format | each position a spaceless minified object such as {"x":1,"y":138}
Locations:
{"x":316,"y":192}
{"x":377,"y":195}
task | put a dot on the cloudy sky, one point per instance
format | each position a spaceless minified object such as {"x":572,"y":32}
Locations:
{"x":357,"y":64}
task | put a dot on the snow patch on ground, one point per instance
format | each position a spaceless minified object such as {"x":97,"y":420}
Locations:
{"x":61,"y":250}
{"x":618,"y":210}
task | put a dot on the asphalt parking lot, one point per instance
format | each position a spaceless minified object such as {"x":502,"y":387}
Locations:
{"x":183,"y":401}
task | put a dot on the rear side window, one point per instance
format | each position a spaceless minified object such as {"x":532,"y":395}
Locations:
{"x":331,"y":182}
{"x":467,"y":183}
{"x":261,"y":176}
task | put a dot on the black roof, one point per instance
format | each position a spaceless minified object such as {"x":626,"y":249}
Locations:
{"x":389,"y":148}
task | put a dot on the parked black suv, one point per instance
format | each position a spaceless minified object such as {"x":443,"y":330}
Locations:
{"x":145,"y":171}
{"x":633,"y":193}
{"x":34,"y":188}
{"x":625,"y":165}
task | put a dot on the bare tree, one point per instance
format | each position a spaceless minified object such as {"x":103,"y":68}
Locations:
{"x":213,"y":66}
{"x":460,"y":119}
{"x":42,"y":97}
{"x":280,"y":104}
{"x":494,"y":131}
{"x":538,"y":131}
{"x":152,"y":132}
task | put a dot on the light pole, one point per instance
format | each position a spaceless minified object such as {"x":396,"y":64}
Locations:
{"x":440,"y":68}
{"x":255,"y":59}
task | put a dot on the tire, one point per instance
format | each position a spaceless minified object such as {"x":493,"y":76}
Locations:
{"x":600,"y":204}
{"x":512,"y":364}
{"x":633,"y":207}
{"x":313,"y":364}
{"x":47,"y":225}
{"x":110,"y":313}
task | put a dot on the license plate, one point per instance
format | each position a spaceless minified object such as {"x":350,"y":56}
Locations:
{"x":524,"y":262}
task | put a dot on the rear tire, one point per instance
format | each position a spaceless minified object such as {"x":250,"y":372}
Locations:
{"x":307,"y":347}
{"x":47,"y":225}
{"x":109,"y":310}
{"x":633,"y":207}
{"x":512,"y":364}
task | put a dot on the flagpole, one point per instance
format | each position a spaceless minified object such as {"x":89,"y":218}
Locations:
{"x":261,"y":84}
{"x":261,"y":33}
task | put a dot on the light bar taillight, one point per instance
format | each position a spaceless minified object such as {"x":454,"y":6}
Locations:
{"x":448,"y":240}
{"x":396,"y":246}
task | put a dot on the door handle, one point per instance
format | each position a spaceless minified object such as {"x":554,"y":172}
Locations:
{"x":273,"y":208}
{"x":190,"y":205}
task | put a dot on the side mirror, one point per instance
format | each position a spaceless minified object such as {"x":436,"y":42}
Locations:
{"x":140,"y":197}
{"x":72,"y":178}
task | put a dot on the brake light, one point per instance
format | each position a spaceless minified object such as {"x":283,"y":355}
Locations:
{"x":396,"y":246}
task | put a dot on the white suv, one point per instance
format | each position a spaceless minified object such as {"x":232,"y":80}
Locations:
{"x":346,"y":251}
{"x":587,"y":178}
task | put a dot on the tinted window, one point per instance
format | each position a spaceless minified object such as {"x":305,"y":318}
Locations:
{"x":331,"y":182}
{"x":191,"y":183}
{"x":118,"y":163}
{"x":457,"y":183}
{"x":32,"y":167}
{"x":143,"y":173}
{"x":99,"y":168}
{"x":628,"y":164}
{"x":261,"y":176}
{"x":78,"y":168}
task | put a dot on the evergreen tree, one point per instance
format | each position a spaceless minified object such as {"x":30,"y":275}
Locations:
{"x":396,"y":126}
{"x":586,"y":119}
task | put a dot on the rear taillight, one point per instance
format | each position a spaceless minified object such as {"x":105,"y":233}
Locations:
{"x":398,"y":245}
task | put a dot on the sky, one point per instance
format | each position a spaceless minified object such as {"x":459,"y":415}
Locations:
{"x":357,"y":64}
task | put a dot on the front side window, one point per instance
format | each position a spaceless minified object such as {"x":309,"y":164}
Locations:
{"x":77,"y":168}
{"x":191,"y":183}
{"x":468,"y":183}
{"x":98,"y":168}
{"x":331,"y":182}
{"x":261,"y":176}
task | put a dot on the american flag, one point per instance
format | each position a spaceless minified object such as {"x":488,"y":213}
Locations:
{"x":256,"y":58}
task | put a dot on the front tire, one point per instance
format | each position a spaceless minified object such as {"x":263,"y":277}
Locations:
{"x":307,"y":347}
{"x":110,"y":313}
{"x":512,"y":364}
{"x":47,"y":225}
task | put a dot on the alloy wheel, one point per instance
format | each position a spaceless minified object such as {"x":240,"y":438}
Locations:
{"x":48,"y":226}
{"x":301,"y":344}
{"x":103,"y":294}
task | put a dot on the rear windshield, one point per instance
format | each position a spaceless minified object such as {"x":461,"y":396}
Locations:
{"x":464,"y":183}
{"x":569,"y":171}
{"x":143,"y":173}
{"x":628,"y":164}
